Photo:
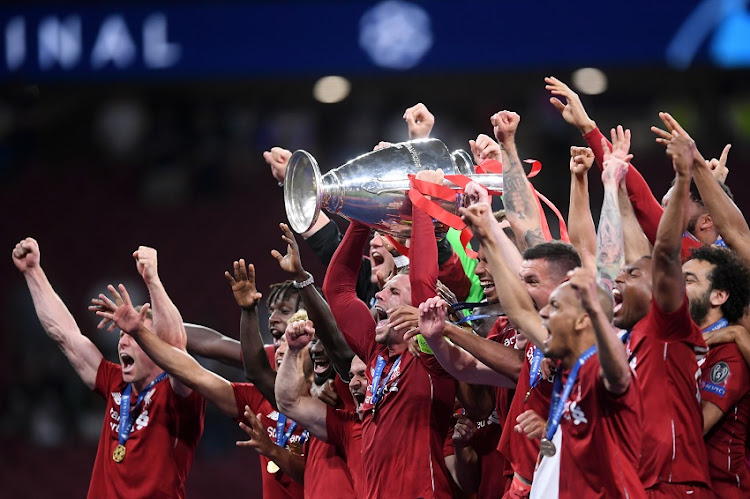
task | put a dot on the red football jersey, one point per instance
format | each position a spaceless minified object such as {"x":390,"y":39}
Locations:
{"x":664,"y":350}
{"x":521,"y":452}
{"x":277,"y":485}
{"x":496,"y":470}
{"x":598,"y":442}
{"x":402,"y":444}
{"x":725,"y":382}
{"x":161,"y":446}
{"x":345,"y":433}
{"x":325,"y":466}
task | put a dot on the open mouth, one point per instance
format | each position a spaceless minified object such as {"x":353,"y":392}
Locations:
{"x":359,"y":397}
{"x":377,"y":258}
{"x":126,"y":361}
{"x":321,"y":365}
{"x":617,"y":297}
{"x":488,"y":286}
{"x":381,"y":318}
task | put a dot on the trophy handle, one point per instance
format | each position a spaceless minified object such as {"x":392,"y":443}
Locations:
{"x":464,"y":163}
{"x":302,"y":191}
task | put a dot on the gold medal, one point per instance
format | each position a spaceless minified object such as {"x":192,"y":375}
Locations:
{"x":119,"y":454}
{"x":272,"y":467}
{"x":295,"y":448}
{"x":547,"y":448}
{"x":527,"y":395}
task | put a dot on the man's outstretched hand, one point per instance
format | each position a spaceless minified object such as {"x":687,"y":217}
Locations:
{"x":243,"y":285}
{"x":290,"y":262}
{"x":572,"y":109}
{"x":119,"y":312}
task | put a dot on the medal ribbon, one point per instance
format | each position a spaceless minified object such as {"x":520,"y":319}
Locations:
{"x":535,"y":374}
{"x":463,"y":305}
{"x":282,"y":437}
{"x":625,"y":337}
{"x":379,"y":388}
{"x":558,"y":399}
{"x":721,"y":323}
{"x":126,"y":415}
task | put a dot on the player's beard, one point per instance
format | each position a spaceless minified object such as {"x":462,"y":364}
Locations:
{"x":699,"y":307}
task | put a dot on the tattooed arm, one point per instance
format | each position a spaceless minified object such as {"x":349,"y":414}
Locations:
{"x":518,"y":196}
{"x":610,"y":255}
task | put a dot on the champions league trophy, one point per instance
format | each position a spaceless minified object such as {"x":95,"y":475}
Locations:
{"x":373,"y":188}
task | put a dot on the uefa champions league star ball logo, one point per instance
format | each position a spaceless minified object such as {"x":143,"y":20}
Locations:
{"x":395,"y":34}
{"x":719,"y":372}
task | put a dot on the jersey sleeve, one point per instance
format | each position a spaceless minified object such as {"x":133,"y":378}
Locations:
{"x":724,"y":377}
{"x":675,"y":326}
{"x":105,"y":375}
{"x":351,"y":314}
{"x":423,"y":272}
{"x":246,"y":394}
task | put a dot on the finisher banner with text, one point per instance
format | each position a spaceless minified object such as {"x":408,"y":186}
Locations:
{"x":282,"y":39}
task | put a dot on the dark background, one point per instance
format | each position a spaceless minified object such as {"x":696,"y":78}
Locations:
{"x":94,"y":163}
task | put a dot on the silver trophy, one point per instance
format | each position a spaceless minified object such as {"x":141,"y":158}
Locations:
{"x":373,"y":188}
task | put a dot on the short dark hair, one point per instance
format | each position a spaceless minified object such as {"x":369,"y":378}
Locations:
{"x":281,"y":291}
{"x":562,"y":256}
{"x":695,"y":194}
{"x":729,"y":274}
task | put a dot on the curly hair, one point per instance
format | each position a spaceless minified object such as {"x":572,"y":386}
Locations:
{"x":729,"y":274}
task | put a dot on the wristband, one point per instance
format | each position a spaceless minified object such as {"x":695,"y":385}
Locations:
{"x":401,"y":261}
{"x":305,"y":283}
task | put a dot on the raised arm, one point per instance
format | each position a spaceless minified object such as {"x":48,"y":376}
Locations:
{"x":729,"y":220}
{"x":636,"y":243}
{"x":668,"y":280}
{"x":423,"y":269}
{"x":518,"y":195}
{"x":352,"y":315}
{"x":516,"y":301}
{"x":420,"y":121}
{"x":293,"y":390}
{"x":317,"y":308}
{"x":646,"y":206}
{"x":167,"y":319}
{"x":176,"y":362}
{"x":257,"y":369}
{"x":478,"y":194}
{"x":55,"y":317}
{"x":277,"y":158}
{"x":615,"y":371}
{"x":580,"y":222}
{"x":210,"y":343}
{"x":456,"y":361}
{"x":610,"y":255}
